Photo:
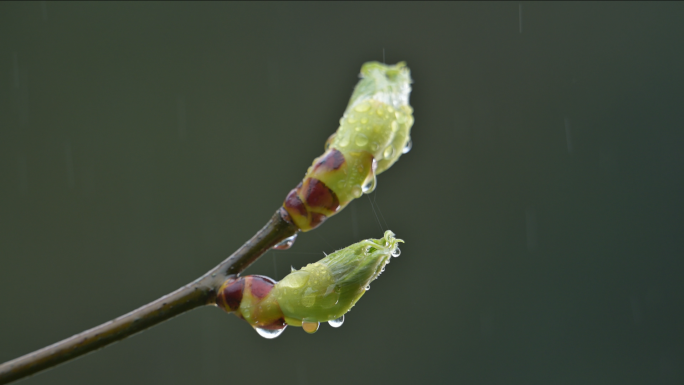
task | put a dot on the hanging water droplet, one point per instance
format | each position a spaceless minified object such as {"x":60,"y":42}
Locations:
{"x":336,"y":322}
{"x":407,"y":147}
{"x":292,"y":269}
{"x":367,"y":287}
{"x":388,"y":152}
{"x":361,"y":140}
{"x":396,"y":252}
{"x":285,"y":243}
{"x":310,"y":327}
{"x":270,"y":333}
{"x":369,"y":186}
{"x":356,"y":191}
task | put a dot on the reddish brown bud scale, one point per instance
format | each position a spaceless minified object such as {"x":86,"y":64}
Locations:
{"x":319,"y":195}
{"x":295,"y":205}
{"x":250,"y":298}
{"x":230,"y":294}
{"x":259,"y":285}
{"x":331,"y":160}
{"x":317,"y":219}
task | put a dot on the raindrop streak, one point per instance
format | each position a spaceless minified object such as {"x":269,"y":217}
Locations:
{"x":285,"y":243}
{"x":531,"y":225}
{"x":407,"y":147}
{"x":23,"y":174}
{"x":70,"y":165}
{"x":43,"y":6}
{"x":336,"y":322}
{"x":396,"y":252}
{"x":568,"y":135}
{"x":310,"y":327}
{"x":182,"y":117}
{"x":270,"y":333}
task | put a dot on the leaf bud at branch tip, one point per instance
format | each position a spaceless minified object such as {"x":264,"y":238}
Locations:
{"x":374,"y":132}
{"x":320,"y":292}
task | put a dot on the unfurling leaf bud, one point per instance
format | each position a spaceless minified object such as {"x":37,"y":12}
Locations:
{"x":374,"y":132}
{"x":320,"y":292}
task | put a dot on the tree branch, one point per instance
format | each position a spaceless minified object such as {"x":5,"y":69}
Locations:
{"x":198,"y":293}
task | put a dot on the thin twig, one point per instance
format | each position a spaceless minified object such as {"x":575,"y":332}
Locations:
{"x":198,"y":293}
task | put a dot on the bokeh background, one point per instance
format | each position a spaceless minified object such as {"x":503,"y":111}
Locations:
{"x":140,"y":144}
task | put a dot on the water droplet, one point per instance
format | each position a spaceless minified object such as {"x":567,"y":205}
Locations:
{"x":390,"y":109}
{"x":286,"y":243}
{"x":396,"y":252}
{"x":351,"y":120}
{"x":394,"y":125}
{"x":364,"y":120}
{"x":388,"y":152}
{"x":407,"y":147}
{"x":292,"y":269}
{"x":374,"y":146}
{"x":356,"y":191}
{"x":345,"y":141}
{"x":357,"y":128}
{"x":363,"y":107}
{"x":401,"y":118}
{"x":310,"y":327}
{"x":367,"y":287}
{"x":361,"y":140}
{"x":336,"y":322}
{"x":270,"y":333}
{"x":369,"y":186}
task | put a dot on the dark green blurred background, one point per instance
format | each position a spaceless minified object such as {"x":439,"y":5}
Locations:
{"x":140,"y":144}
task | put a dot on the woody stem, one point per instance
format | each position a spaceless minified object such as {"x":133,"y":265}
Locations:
{"x":197,"y":293}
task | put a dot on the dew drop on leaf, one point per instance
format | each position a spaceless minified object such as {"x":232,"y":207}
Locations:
{"x":363,"y":107}
{"x":361,"y":140}
{"x":356,"y":191}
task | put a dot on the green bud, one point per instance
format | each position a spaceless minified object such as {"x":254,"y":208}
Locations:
{"x":326,"y":290}
{"x":374,"y":132}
